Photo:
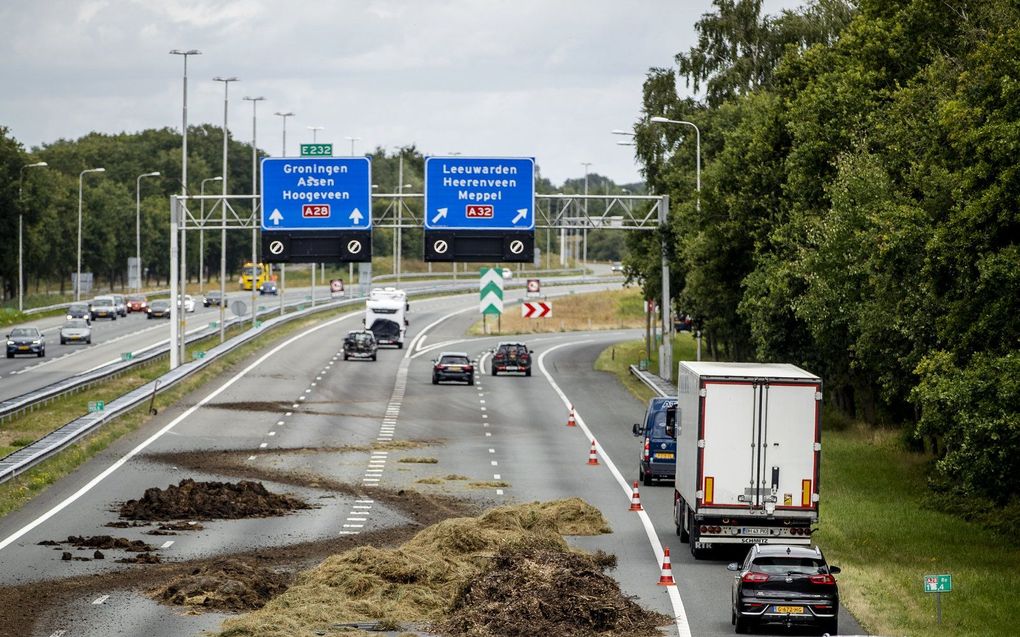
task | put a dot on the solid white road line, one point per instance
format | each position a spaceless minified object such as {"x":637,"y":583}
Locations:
{"x":679,"y":613}
{"x":101,"y":599}
{"x":91,"y":484}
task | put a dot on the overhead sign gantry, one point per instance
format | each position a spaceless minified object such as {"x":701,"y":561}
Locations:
{"x":316,"y":209}
{"x":479,"y":209}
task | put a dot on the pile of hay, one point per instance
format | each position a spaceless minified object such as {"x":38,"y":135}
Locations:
{"x":420,"y":581}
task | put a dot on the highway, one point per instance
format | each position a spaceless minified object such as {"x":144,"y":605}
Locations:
{"x":306,"y":423}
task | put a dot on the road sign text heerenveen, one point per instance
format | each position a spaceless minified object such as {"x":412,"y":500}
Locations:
{"x":479,"y":209}
{"x":316,"y":209}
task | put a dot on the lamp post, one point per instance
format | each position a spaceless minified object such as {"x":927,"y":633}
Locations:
{"x":352,"y":140}
{"x":315,"y":130}
{"x":184,"y":126}
{"x":283,"y":266}
{"x":138,"y":223}
{"x":174,"y":335}
{"x":201,"y":236}
{"x":223,"y":206}
{"x":21,"y":245}
{"x":254,"y":191}
{"x":584,"y":231}
{"x":697,"y":139}
{"x":77,"y":279}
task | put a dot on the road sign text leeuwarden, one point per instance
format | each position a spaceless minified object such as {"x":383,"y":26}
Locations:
{"x":480,"y":193}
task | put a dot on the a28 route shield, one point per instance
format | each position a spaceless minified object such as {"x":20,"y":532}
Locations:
{"x":480,"y":193}
{"x":316,"y":193}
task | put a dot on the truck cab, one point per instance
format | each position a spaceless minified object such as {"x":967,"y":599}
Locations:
{"x":657,"y":432}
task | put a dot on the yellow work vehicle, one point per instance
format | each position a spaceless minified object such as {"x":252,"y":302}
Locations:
{"x":260,"y":272}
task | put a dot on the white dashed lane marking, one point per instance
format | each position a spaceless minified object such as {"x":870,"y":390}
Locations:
{"x":101,"y":599}
{"x":167,"y":544}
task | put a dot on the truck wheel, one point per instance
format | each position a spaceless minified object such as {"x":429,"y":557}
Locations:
{"x":373,"y":357}
{"x":400,"y":346}
{"x":527,"y":372}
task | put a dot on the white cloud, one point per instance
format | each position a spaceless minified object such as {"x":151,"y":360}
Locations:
{"x":542,"y":78}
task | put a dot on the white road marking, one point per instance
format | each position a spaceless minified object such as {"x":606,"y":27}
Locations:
{"x":279,"y":422}
{"x":289,"y":413}
{"x":263,"y":445}
{"x":167,"y":544}
{"x":680,"y":615}
{"x":251,"y":457}
{"x":357,"y":519}
{"x":487,"y":434}
{"x":365,"y":501}
{"x":499,"y":491}
{"x":59,"y":633}
{"x":492,"y":451}
{"x":294,"y":406}
{"x":354,"y":526}
{"x":272,"y":433}
{"x":495,"y":476}
{"x":307,"y":391}
{"x":101,"y":599}
{"x":494,"y":463}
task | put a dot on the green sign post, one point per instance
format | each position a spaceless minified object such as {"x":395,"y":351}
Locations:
{"x":316,"y":150}
{"x":938,"y":584}
{"x":126,"y":356}
{"x":198,"y":355}
{"x":96,"y":405}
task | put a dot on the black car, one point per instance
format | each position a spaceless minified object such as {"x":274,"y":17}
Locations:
{"x":79,"y":311}
{"x":213,"y":297}
{"x":26,"y":340}
{"x":453,"y":366}
{"x":360,"y":344}
{"x":268,"y":287}
{"x":785,"y":585}
{"x":511,"y":357}
{"x":158,"y":309}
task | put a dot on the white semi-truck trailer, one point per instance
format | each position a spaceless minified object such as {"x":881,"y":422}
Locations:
{"x":747,"y":454}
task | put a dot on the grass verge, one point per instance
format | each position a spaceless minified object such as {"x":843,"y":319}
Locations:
{"x":607,"y":310}
{"x":877,"y":523}
{"x":16,"y":492}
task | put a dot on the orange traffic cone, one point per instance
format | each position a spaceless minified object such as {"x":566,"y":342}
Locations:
{"x":593,"y":456}
{"x":571,"y":421}
{"x":635,"y":499}
{"x":666,"y":578}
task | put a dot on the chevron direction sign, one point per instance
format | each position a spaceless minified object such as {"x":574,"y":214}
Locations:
{"x":490,"y":286}
{"x":536,"y":309}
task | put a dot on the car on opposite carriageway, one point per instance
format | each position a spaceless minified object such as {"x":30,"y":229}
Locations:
{"x":784,"y":585}
{"x":26,"y":340}
{"x":79,"y":311}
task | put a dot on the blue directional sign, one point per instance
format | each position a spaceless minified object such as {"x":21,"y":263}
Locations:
{"x":480,"y":193}
{"x":316,"y":193}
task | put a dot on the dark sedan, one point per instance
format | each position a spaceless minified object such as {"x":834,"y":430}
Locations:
{"x":785,"y":585}
{"x":213,"y":297}
{"x":26,"y":340}
{"x":268,"y":287}
{"x":79,"y":311}
{"x":453,"y":366}
{"x":360,"y":344}
{"x":159,"y":309}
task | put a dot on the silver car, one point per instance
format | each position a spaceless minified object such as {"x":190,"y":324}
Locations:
{"x":120,"y":302}
{"x":75,"y":331}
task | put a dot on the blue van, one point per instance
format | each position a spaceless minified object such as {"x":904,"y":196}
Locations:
{"x":658,"y":444}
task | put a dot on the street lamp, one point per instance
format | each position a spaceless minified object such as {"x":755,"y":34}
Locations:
{"x":284,"y":116}
{"x":138,"y":224}
{"x":254,"y":191}
{"x":77,"y":279}
{"x":223,"y":209}
{"x":315,"y":129}
{"x":626,"y":144}
{"x":584,"y":232}
{"x":352,"y":140}
{"x":201,"y":236}
{"x":697,"y":137}
{"x":184,"y":126}
{"x":21,"y":247}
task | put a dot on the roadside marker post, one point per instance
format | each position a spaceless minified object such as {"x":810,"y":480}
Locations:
{"x":938,"y":584}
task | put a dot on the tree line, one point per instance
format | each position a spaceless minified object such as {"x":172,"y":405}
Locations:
{"x":858,"y":212}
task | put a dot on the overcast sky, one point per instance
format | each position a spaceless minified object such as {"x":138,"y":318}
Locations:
{"x":541,"y":78}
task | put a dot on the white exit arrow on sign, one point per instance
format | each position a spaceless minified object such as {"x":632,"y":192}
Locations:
{"x":276,"y":217}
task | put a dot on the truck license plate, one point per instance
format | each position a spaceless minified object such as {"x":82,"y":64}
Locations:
{"x":754,"y":531}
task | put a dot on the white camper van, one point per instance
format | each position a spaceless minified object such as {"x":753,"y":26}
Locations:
{"x":385,"y":317}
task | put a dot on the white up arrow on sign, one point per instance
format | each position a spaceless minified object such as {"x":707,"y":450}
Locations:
{"x":276,"y":217}
{"x":522,"y":213}
{"x":442,"y":213}
{"x":356,"y":216}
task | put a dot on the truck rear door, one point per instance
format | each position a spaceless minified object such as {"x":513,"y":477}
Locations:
{"x":759,"y":444}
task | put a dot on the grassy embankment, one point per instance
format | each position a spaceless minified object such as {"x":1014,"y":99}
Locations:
{"x":608,"y":310}
{"x":876,"y":524}
{"x":27,"y":428}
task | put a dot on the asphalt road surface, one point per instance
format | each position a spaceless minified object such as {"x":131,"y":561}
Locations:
{"x":299,"y":418}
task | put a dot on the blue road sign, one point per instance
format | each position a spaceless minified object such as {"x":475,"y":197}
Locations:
{"x":320,"y":193}
{"x":480,"y":193}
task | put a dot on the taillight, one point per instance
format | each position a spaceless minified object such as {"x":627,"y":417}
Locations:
{"x":439,"y":367}
{"x":648,"y":450}
{"x":470,"y":368}
{"x":823,"y":579}
{"x":754,"y":577}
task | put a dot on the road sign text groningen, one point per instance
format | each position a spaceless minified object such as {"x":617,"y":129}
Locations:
{"x":328,"y":193}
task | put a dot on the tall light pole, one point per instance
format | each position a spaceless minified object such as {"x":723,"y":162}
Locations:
{"x":223,"y":206}
{"x":584,"y":231}
{"x":201,"y":236}
{"x":283,"y":153}
{"x":77,"y":279}
{"x":184,"y":125}
{"x":255,"y":192}
{"x":21,"y":245}
{"x":352,"y":140}
{"x":138,"y":224}
{"x":315,"y":129}
{"x":697,"y":138}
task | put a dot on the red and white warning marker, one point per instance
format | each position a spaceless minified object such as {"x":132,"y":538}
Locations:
{"x":536,"y":309}
{"x":666,"y":578}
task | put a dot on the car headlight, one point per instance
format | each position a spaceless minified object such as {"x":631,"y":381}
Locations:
{"x":69,"y":317}
{"x":36,"y":342}
{"x":10,"y":342}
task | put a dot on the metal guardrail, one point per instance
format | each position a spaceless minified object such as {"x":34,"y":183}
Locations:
{"x":656,"y":383}
{"x":26,"y":457}
{"x":57,"y":306}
